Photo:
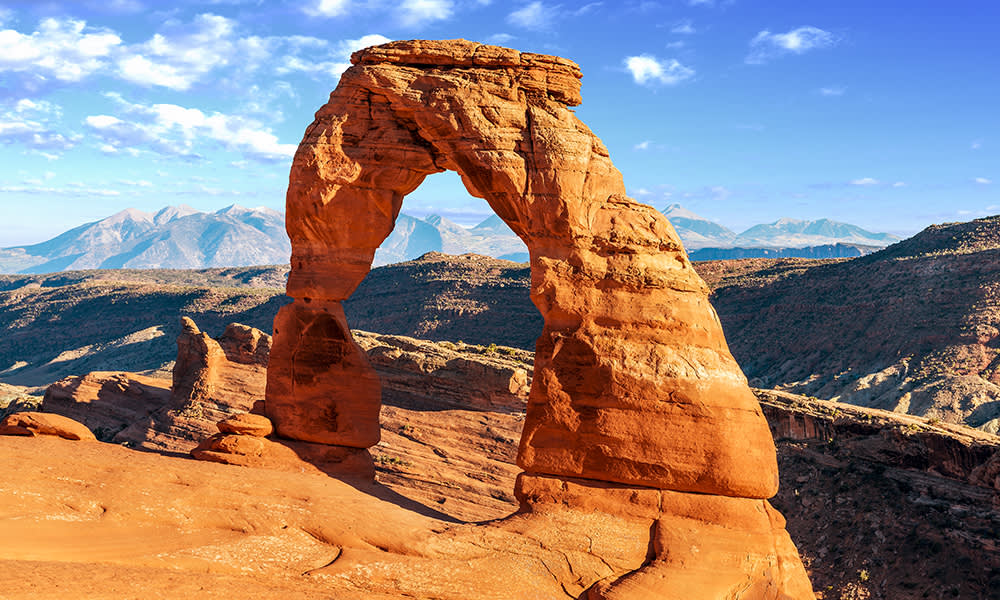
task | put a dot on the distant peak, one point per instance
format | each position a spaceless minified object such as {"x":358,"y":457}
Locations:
{"x":679,"y":212}
{"x":236,"y":209}
{"x":129,"y":214}
{"x":170,"y":213}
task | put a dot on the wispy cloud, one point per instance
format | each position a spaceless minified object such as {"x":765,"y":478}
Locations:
{"x":537,"y":16}
{"x":647,"y":69}
{"x":766,"y":45}
{"x":338,"y":56}
{"x":58,"y":191}
{"x":184,"y":53}
{"x":643,"y":145}
{"x":899,"y":184}
{"x":832,"y":91}
{"x":34,"y":124}
{"x":865,"y":181}
{"x":983,"y":180}
{"x":976,"y":145}
{"x":417,"y":13}
{"x":684,"y":27}
{"x":171,"y":129}
{"x":327,"y":8}
{"x":500,"y":38}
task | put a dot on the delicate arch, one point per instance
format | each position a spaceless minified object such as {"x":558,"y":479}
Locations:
{"x":633,"y":380}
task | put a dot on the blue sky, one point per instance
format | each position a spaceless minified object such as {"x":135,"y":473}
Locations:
{"x":883,"y":114}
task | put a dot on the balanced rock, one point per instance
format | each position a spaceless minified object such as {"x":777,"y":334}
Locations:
{"x":37,"y":423}
{"x":247,"y":424}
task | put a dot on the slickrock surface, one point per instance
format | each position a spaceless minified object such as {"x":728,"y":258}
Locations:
{"x":242,"y":532}
{"x":36,"y":423}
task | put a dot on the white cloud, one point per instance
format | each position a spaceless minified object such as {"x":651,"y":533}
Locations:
{"x":341,"y":57}
{"x":65,"y":50}
{"x":646,"y":69}
{"x":535,"y":15}
{"x":587,"y":8}
{"x":684,"y":27}
{"x":766,"y":45}
{"x":176,"y":130}
{"x":643,"y":145}
{"x":64,"y":191}
{"x":416,"y":13}
{"x":500,"y":38}
{"x":983,"y":180}
{"x":184,"y":53}
{"x":34,"y":124}
{"x":832,"y":91}
{"x":327,"y":8}
{"x":899,"y":184}
{"x":976,"y":145}
{"x":865,"y":181}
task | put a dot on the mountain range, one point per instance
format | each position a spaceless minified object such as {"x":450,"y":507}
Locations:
{"x":698,"y":232}
{"x":180,"y":237}
{"x":177,"y":237}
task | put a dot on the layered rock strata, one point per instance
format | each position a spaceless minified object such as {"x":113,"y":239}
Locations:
{"x":633,"y":385}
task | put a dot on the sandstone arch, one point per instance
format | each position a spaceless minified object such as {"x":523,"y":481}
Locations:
{"x":640,"y":428}
{"x":634,"y":382}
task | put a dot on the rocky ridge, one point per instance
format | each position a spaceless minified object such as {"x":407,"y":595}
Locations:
{"x":912,"y":328}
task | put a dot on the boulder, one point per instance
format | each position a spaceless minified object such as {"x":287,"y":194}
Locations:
{"x":37,"y":423}
{"x":247,"y":424}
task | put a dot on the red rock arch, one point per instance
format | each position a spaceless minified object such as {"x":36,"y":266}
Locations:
{"x":634,"y":382}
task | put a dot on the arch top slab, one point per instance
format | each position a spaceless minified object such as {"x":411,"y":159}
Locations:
{"x":634,"y":383}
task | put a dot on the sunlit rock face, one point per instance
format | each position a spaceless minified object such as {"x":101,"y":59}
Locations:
{"x":634,"y":384}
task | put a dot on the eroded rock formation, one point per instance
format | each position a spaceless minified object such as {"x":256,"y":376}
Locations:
{"x":633,"y":385}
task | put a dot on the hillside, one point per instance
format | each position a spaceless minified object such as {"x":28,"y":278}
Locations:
{"x":913,"y":328}
{"x":56,"y":325}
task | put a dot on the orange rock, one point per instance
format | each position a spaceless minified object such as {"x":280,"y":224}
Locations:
{"x":637,"y":410}
{"x":703,"y":546}
{"x":36,"y":423}
{"x":284,"y":455}
{"x":247,"y":424}
{"x":634,"y":382}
